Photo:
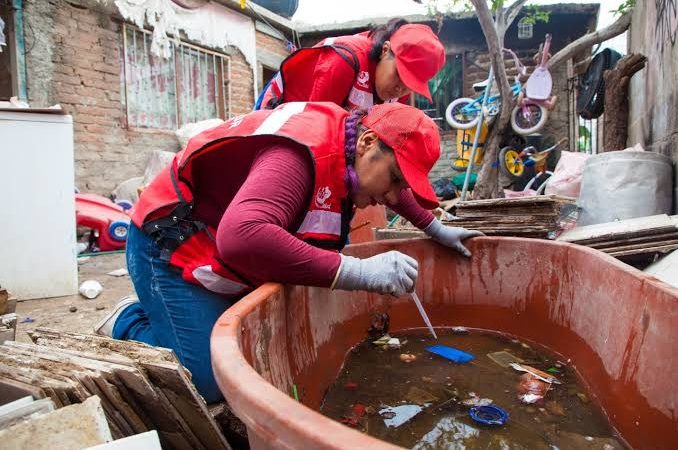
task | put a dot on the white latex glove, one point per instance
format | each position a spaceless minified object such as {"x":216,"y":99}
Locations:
{"x":451,"y":236}
{"x":386,"y":273}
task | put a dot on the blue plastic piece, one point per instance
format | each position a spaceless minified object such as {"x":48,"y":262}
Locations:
{"x":124,"y":204}
{"x":257,"y":104}
{"x":489,"y":415}
{"x":450,"y":353}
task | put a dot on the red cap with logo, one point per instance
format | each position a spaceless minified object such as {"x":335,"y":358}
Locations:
{"x":415,"y":141}
{"x":419,"y":56}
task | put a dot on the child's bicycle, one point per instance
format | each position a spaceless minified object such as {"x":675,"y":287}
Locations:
{"x":528,"y":117}
{"x":513,"y":162}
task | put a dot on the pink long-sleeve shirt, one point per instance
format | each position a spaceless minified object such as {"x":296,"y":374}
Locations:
{"x":264,"y":196}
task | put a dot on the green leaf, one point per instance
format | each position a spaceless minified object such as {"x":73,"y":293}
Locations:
{"x":584,"y":132}
{"x":626,"y":5}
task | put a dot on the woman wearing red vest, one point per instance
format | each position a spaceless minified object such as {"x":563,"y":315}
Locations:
{"x":358,"y":71}
{"x":268,"y":196}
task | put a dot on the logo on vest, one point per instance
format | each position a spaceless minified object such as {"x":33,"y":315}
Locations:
{"x":234,"y":122}
{"x":322,"y":196}
{"x":363,"y":78}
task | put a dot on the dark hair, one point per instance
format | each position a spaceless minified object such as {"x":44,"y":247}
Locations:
{"x":352,"y":126}
{"x":383,"y":33}
{"x":352,"y":129}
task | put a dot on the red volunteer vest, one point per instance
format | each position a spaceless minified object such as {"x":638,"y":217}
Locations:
{"x":164,"y":208}
{"x":294,"y":70}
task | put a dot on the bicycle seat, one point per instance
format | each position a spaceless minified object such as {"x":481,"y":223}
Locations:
{"x":480,"y":86}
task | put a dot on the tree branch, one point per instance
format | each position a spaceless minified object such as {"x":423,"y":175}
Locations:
{"x":622,"y":24}
{"x":512,"y":11}
{"x":493,"y":46}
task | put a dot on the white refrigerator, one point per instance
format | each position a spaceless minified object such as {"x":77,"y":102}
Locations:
{"x":38,"y":256}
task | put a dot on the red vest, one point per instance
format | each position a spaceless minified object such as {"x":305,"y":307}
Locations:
{"x":164,"y":208}
{"x":294,"y":71}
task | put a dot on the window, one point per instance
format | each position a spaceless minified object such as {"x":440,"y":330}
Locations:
{"x":5,"y":57}
{"x":446,"y":86}
{"x":267,"y":74}
{"x":12,"y":60}
{"x":525,"y":28}
{"x":190,"y":86}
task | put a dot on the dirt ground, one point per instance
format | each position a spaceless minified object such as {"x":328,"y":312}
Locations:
{"x":55,"y":312}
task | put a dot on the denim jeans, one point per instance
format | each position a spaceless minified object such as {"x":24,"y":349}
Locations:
{"x":171,"y":312}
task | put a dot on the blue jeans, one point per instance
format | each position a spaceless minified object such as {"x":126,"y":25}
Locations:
{"x":171,"y":313}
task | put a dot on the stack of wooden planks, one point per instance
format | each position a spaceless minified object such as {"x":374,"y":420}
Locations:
{"x":639,"y":236}
{"x":533,"y":217}
{"x":141,"y":387}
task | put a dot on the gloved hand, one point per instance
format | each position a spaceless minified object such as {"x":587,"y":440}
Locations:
{"x":386,"y":273}
{"x":451,"y":236}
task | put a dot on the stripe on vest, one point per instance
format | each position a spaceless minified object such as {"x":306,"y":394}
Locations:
{"x":323,"y":222}
{"x":329,"y":41}
{"x":216,"y":283}
{"x":279,"y":117}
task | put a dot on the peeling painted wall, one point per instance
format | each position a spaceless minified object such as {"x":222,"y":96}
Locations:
{"x":74,"y":58}
{"x":653,"y":93}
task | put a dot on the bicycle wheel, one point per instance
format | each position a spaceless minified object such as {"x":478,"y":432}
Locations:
{"x":530,"y":121}
{"x":459,"y":114}
{"x":510,"y":163}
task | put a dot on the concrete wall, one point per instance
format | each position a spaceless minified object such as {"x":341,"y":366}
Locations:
{"x":74,"y":58}
{"x":653,"y":94}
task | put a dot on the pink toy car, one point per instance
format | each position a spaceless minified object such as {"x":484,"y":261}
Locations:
{"x":109,"y":221}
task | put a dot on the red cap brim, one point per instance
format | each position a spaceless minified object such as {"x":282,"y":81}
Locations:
{"x":418,"y":182}
{"x":412,"y":82}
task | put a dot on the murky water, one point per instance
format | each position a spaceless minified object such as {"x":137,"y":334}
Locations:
{"x":424,"y":403}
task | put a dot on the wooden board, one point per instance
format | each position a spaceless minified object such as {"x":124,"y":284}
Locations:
{"x":11,"y":390}
{"x":640,"y":226}
{"x":648,"y":238}
{"x":521,"y":201}
{"x":151,"y":401}
{"x":646,"y":250}
{"x":169,"y":377}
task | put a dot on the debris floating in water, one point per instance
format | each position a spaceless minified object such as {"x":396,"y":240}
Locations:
{"x":394,"y":416}
{"x":543,"y":376}
{"x":489,"y":415}
{"x":450,"y":353}
{"x":503,"y":358}
{"x":407,"y":357}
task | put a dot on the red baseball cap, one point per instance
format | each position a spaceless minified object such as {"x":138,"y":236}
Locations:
{"x":419,"y":56}
{"x":415,"y":140}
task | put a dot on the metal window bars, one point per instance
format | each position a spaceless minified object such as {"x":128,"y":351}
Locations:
{"x":192,"y":85}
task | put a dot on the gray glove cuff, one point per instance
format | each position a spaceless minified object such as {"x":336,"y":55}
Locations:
{"x":348,"y":276}
{"x":433,"y":229}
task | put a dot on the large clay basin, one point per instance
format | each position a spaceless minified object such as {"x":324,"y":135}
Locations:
{"x":618,"y":326}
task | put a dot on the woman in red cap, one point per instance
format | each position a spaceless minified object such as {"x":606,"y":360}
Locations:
{"x":268,"y":196}
{"x":358,"y":71}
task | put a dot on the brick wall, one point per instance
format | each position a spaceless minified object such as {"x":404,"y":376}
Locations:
{"x":242,"y":86}
{"x":443,"y":168}
{"x":271,"y":44}
{"x":75,"y":59}
{"x":271,"y":52}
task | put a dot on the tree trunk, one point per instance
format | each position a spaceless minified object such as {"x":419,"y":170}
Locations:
{"x":487,"y":184}
{"x":615,"y":130}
